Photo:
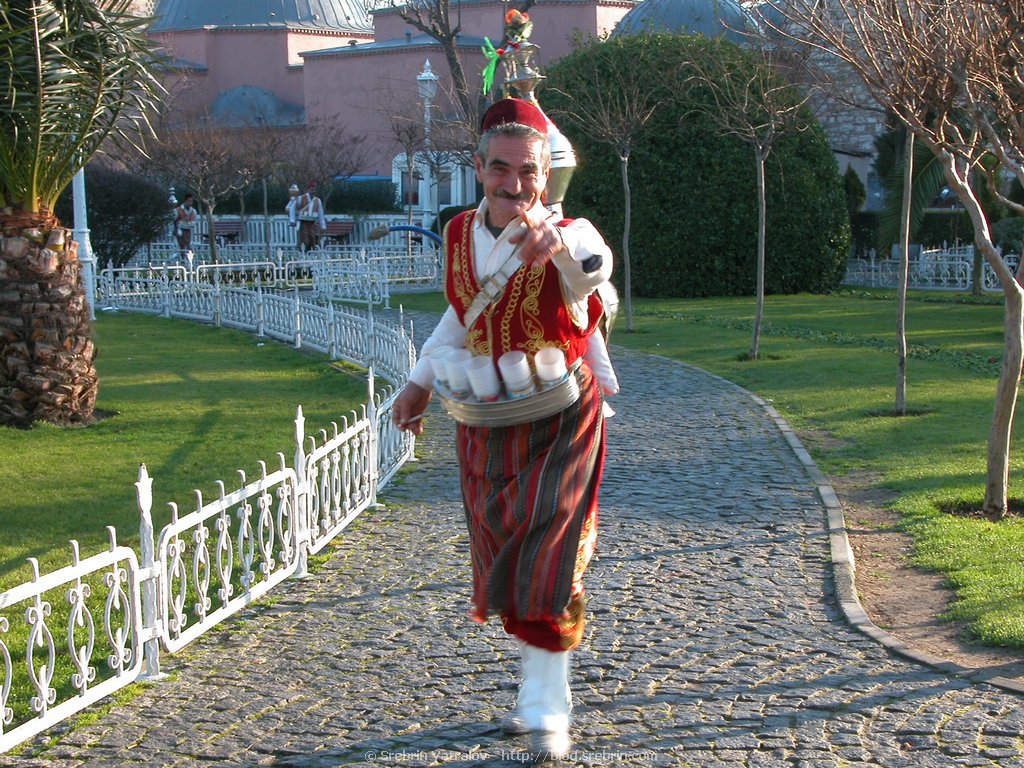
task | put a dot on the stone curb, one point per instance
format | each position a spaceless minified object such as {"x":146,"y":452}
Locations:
{"x":843,"y":565}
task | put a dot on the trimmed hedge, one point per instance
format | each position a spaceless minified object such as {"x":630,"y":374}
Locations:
{"x":125,"y":212}
{"x":694,"y":227}
{"x":345,"y":197}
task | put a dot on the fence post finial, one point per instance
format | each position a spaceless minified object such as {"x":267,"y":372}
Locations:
{"x":151,"y":623}
{"x":302,"y":537}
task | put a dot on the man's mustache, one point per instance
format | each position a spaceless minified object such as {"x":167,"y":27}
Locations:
{"x":523,"y":197}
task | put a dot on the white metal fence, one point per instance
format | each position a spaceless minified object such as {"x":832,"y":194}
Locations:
{"x":366,"y":274}
{"x":264,"y":239}
{"x":114,"y":612}
{"x":938,"y":269}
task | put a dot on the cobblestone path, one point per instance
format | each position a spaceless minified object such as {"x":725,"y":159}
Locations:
{"x":715,"y":639}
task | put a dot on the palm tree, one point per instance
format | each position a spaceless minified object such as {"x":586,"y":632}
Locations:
{"x":75,"y":72}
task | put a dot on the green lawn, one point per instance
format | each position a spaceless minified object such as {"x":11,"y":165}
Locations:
{"x":829,"y":366}
{"x":193,"y":402}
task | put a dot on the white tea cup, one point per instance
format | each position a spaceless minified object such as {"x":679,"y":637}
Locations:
{"x":455,"y":363}
{"x":439,"y":364}
{"x":516,"y":373}
{"x":550,"y":365}
{"x":483,"y":378}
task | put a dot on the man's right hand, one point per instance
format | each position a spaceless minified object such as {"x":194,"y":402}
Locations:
{"x":410,"y":405}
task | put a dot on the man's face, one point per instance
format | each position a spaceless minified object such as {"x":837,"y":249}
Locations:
{"x":512,"y":177}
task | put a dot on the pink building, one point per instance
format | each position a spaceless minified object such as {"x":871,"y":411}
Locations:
{"x":293,"y":61}
{"x":301,"y":60}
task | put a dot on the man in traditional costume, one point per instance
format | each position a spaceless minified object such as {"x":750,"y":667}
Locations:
{"x":529,"y":490}
{"x":309,"y":210}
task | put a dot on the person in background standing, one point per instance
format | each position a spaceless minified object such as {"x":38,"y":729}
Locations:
{"x":293,"y":195}
{"x":185,"y":218}
{"x":308,"y":209}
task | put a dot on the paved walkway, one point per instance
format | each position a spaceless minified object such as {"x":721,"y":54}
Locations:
{"x":716,"y":636}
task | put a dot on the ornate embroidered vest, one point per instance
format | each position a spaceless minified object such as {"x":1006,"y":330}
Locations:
{"x":531,"y":313}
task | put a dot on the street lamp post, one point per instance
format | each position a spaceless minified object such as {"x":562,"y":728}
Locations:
{"x":172,"y":201}
{"x":427,"y":82}
{"x":81,"y":235}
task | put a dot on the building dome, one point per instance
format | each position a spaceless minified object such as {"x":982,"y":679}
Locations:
{"x":325,"y":15}
{"x":249,"y":106}
{"x":711,"y":18}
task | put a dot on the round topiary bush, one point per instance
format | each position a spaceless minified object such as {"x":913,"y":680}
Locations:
{"x":125,"y":212}
{"x":694,"y":203}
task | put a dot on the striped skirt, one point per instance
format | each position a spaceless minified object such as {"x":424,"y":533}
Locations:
{"x":530,"y":496}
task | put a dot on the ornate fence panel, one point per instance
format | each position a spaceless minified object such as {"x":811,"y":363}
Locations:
{"x":338,"y":478}
{"x":210,"y":563}
{"x":392,"y":355}
{"x":348,"y":279}
{"x":241,"y":274}
{"x":393,"y":446}
{"x":418,"y":269}
{"x":315,"y":321}
{"x":81,"y":634}
{"x":936,"y":269}
{"x":224,"y":555}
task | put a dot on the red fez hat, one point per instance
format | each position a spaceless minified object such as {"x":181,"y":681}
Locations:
{"x":515,"y":111}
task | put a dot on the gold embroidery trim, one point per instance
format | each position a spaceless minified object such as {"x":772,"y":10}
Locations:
{"x":462,"y":272}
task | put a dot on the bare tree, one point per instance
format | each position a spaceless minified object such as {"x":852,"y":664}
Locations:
{"x":606,"y":105}
{"x":260,"y":151}
{"x":323,"y":151}
{"x":904,"y":276}
{"x":409,"y":133}
{"x":195,"y":153}
{"x":950,"y":71}
{"x":751,"y":101}
{"x":454,"y":135}
{"x":434,"y":19}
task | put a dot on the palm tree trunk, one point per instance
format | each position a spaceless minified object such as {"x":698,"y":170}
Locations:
{"x":47,"y":371}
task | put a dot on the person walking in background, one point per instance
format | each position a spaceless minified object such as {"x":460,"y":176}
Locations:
{"x":529,"y":490}
{"x":308,"y":210}
{"x":293,"y":196}
{"x":185,"y":218}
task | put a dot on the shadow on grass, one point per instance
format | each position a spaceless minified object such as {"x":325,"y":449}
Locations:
{"x":972,"y":509}
{"x":892,"y":413}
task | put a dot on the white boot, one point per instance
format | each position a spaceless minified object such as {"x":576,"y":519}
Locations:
{"x":513,"y":723}
{"x":545,"y":701}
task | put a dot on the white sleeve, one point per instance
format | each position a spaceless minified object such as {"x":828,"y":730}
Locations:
{"x":448,"y":333}
{"x":586,"y":261}
{"x":601,"y":363}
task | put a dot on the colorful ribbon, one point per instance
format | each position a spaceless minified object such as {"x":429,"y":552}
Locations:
{"x":492,"y":56}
